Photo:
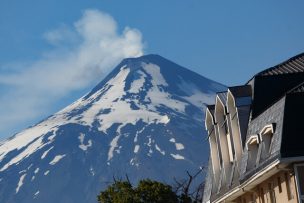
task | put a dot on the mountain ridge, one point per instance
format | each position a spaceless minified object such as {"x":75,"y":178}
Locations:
{"x":149,"y":58}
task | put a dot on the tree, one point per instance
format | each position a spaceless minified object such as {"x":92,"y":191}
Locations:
{"x":188,"y":194}
{"x":118,"y":192}
{"x":147,"y":191}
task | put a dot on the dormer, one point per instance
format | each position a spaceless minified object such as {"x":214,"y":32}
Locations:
{"x":266,"y":135}
{"x":225,"y":139}
{"x":209,"y":119}
{"x":234,"y":122}
{"x":224,"y":132}
{"x":214,"y":145}
{"x":221,"y":111}
{"x":252,"y":146}
{"x":238,"y":106}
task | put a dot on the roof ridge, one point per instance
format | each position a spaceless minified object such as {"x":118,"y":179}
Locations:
{"x":285,"y":67}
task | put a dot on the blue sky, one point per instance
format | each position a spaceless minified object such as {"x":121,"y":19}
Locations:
{"x":43,"y":41}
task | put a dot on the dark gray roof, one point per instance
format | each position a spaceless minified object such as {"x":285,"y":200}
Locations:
{"x":292,"y":136}
{"x":292,"y":65}
{"x":241,"y":91}
{"x":273,"y":115}
{"x":223,"y":97}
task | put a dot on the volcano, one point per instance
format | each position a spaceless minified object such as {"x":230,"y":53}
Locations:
{"x":144,"y":120}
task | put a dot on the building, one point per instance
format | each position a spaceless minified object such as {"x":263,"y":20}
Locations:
{"x":256,"y":136}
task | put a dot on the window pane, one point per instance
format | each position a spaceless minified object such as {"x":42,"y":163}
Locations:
{"x":266,"y":146}
{"x":300,"y":170}
{"x":287,"y":182}
{"x":252,"y":156}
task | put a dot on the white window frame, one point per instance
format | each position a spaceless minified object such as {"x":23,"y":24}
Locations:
{"x":267,"y":129}
{"x":253,"y":139}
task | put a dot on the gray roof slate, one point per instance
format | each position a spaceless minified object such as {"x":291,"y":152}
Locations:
{"x":275,"y":115}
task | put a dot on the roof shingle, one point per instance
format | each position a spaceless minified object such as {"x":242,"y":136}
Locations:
{"x":292,"y":65}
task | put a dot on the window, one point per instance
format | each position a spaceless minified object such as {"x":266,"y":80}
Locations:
{"x":266,"y":140}
{"x":215,"y":159}
{"x":225,"y":126}
{"x":229,"y":142}
{"x":252,"y":146}
{"x":229,"y":139}
{"x":279,"y":184}
{"x":271,"y":193}
{"x":252,"y":198}
{"x":299,"y":169}
{"x":262,"y":195}
{"x":252,"y":156}
{"x":288,"y":188}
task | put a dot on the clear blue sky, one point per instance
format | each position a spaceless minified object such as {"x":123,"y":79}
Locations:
{"x":227,"y":41}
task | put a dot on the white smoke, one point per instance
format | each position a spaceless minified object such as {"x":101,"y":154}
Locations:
{"x":82,"y":54}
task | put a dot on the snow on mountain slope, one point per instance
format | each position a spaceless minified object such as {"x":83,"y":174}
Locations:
{"x":145,"y":119}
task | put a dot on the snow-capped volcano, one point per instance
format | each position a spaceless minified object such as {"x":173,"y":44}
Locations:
{"x":145,"y":119}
